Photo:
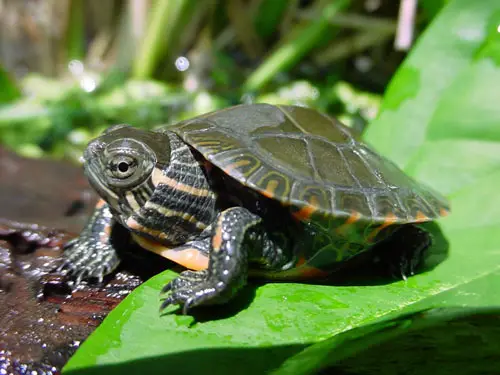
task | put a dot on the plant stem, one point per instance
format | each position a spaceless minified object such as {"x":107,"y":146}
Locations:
{"x":291,"y":52}
{"x":76,"y":34}
{"x":356,"y":21}
{"x":242,"y":24}
{"x":164,"y":23}
{"x":350,"y":46}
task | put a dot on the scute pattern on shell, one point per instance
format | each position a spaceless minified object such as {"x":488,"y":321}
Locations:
{"x":303,"y":158}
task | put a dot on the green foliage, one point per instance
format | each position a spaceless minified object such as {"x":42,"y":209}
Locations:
{"x":167,"y":20}
{"x":216,"y":45}
{"x":61,"y":110}
{"x":269,"y":15}
{"x":294,"y":49}
{"x":405,"y":344}
{"x":439,"y":122}
{"x":432,"y":7}
{"x":8,"y":89}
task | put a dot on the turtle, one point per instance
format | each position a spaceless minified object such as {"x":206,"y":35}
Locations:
{"x":279,"y":192}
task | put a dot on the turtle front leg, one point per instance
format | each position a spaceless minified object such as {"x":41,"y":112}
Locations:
{"x":91,"y":255}
{"x":237,"y":238}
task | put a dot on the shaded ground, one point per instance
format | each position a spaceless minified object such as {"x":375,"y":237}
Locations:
{"x":42,"y":205}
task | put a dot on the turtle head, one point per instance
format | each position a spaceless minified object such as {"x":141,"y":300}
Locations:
{"x":119,"y":165}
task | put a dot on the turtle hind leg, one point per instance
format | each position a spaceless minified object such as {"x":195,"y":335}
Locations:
{"x":403,"y":253}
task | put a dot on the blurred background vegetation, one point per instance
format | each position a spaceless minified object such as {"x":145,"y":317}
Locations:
{"x":70,"y":68}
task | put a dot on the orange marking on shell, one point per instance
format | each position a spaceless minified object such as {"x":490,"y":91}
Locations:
{"x":267,"y":194}
{"x":270,"y":188}
{"x":240,"y":163}
{"x":389,"y":220}
{"x":100,"y":203}
{"x":308,"y":272}
{"x":190,"y":257}
{"x":444,"y":212}
{"x":420,"y":217}
{"x":306,"y":212}
{"x":354,"y":217}
{"x":314,"y":201}
{"x":301,"y":261}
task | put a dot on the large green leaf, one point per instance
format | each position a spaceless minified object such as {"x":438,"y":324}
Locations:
{"x":438,"y":123}
{"x":405,"y":342}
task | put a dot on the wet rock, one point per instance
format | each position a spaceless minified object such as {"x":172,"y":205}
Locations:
{"x":42,"y":319}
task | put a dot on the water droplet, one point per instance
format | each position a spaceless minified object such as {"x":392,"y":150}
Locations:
{"x":75,"y":344}
{"x":372,"y":5}
{"x":182,"y":63}
{"x":88,"y":84}
{"x":247,"y":99}
{"x":191,"y":84}
{"x":76,"y":67}
{"x":363,"y":63}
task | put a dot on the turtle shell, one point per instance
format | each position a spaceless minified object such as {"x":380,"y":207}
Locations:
{"x":309,"y":161}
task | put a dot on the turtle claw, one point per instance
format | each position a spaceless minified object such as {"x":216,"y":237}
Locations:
{"x":189,"y":303}
{"x":167,"y":288}
{"x":86,"y":258}
{"x":190,"y":289}
{"x":80,"y":276}
{"x":167,"y":302}
{"x":70,"y":243}
{"x":64,"y":268}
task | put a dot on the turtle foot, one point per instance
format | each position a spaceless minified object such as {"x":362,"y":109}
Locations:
{"x":194,"y":288}
{"x":86,"y":259}
{"x":406,"y":251}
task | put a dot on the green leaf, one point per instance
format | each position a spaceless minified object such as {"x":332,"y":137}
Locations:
{"x":293,"y":50}
{"x":442,"y":68}
{"x":8,"y":88}
{"x":432,"y":7}
{"x":405,"y":343}
{"x":269,"y":15}
{"x":440,"y":123}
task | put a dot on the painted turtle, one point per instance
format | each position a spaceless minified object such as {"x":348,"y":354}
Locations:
{"x":281,"y":192}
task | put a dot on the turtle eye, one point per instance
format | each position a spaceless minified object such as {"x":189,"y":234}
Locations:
{"x":122,"y":167}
